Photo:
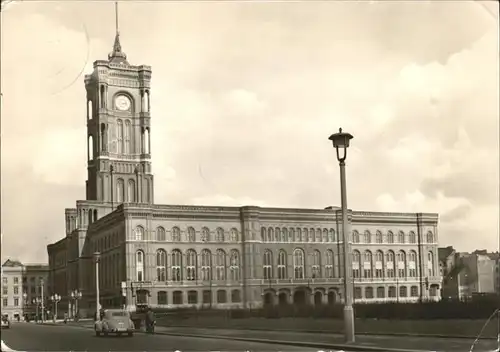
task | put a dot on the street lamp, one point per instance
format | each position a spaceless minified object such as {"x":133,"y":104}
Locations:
{"x":36,"y":301}
{"x":55,"y":299}
{"x":340,"y":142}
{"x":76,"y":295}
{"x":97,"y":257}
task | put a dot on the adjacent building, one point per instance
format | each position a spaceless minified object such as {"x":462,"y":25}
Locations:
{"x":22,"y":288}
{"x":468,"y":274}
{"x":177,"y":255}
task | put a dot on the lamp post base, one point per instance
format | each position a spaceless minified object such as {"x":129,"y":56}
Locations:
{"x":349,"y":324}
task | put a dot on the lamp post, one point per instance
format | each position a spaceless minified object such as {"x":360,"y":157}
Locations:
{"x":42,"y":300}
{"x":55,"y":299}
{"x":340,"y":142}
{"x":97,"y":257}
{"x":76,"y":295}
{"x":36,"y":302}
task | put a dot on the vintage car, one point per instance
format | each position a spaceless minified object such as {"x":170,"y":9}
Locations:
{"x":5,"y":321}
{"x":114,"y":321}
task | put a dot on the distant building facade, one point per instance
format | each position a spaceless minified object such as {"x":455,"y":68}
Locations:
{"x":468,"y":274}
{"x":178,"y":256}
{"x":22,"y":286}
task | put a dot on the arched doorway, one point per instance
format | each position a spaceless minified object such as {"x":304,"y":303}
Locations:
{"x":332,"y":298}
{"x":269,"y":298}
{"x":299,"y":297}
{"x":283,"y":298}
{"x":318,"y":298}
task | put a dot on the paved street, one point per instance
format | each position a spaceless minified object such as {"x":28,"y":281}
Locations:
{"x":412,"y":343}
{"x":33,"y":337}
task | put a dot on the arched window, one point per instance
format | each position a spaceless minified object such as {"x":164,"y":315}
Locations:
{"x":316,"y":264}
{"x":270,"y":235}
{"x":298,"y":263}
{"x":263,"y":234}
{"x":191,"y":266}
{"x":220,"y":234}
{"x":299,"y":235}
{"x":356,"y":259}
{"x":176,"y":234}
{"x":139,"y":233}
{"x":119,"y":135}
{"x":128,"y":132}
{"x":367,"y":265}
{"x":205,"y":234}
{"x":329,"y":264}
{"x":412,"y":237}
{"x":305,"y":235}
{"x":120,"y":191}
{"x":234,"y":265}
{"x":206,"y":265}
{"x":176,"y":265}
{"x":277,"y":235}
{"x":284,"y":235}
{"x":161,"y":265}
{"x":331,"y":237}
{"x":311,"y":235}
{"x":282,"y":263}
{"x":355,"y":237}
{"x":292,"y":235}
{"x":412,"y":264}
{"x":234,"y":235}
{"x":401,"y":237}
{"x":131,"y":191}
{"x":220,"y":265}
{"x":379,"y":264}
{"x":162,"y":297}
{"x":430,"y":263}
{"x":430,"y":237}
{"x":268,"y":264}
{"x":325,"y":235}
{"x":378,"y":237}
{"x":139,"y":265}
{"x":160,"y":234}
{"x":191,"y":234}
{"x":390,"y":237}
{"x":401,"y":264}
{"x":390,"y":264}
{"x":367,"y":238}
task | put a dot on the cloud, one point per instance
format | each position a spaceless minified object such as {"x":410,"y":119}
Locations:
{"x":244,"y":97}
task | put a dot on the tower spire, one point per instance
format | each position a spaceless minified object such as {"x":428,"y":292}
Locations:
{"x":117,"y":55}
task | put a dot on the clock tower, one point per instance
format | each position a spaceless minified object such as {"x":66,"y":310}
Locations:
{"x":118,"y":130}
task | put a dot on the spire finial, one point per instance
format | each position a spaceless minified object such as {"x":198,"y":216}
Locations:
{"x":116,"y":17}
{"x":117,"y":55}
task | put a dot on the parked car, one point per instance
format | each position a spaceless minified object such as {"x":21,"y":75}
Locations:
{"x":114,"y":321}
{"x":5,"y":321}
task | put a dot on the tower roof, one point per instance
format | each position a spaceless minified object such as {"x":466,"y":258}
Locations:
{"x":117,"y":55}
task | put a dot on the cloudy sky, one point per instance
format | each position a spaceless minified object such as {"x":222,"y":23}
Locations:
{"x":244,"y":96}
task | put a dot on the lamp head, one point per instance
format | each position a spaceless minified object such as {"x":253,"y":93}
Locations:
{"x":341,"y":139}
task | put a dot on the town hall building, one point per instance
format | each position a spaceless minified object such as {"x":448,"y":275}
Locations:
{"x":178,"y":256}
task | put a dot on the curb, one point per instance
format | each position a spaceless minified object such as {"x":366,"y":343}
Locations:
{"x":345,"y":347}
{"x":367,"y":333}
{"x":6,"y":348}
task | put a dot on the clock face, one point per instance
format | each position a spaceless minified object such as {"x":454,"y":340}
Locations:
{"x":122,"y":102}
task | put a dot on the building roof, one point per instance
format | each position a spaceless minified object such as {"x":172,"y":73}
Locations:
{"x":11,"y":263}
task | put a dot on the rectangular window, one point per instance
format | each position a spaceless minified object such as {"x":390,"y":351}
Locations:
{"x":16,"y":281}
{"x":378,"y":273}
{"x":16,"y":302}
{"x":5,"y":290}
{"x":16,"y":290}
{"x":5,"y":302}
{"x":4,"y":280}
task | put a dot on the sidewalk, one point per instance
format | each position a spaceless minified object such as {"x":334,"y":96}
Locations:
{"x":336,"y":341}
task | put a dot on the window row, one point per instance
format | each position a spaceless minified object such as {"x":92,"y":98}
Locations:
{"x":190,"y":266}
{"x":401,"y":237}
{"x":329,"y":267}
{"x":192,"y":297}
{"x":190,"y":235}
{"x":392,"y":292}
{"x":277,"y":234}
